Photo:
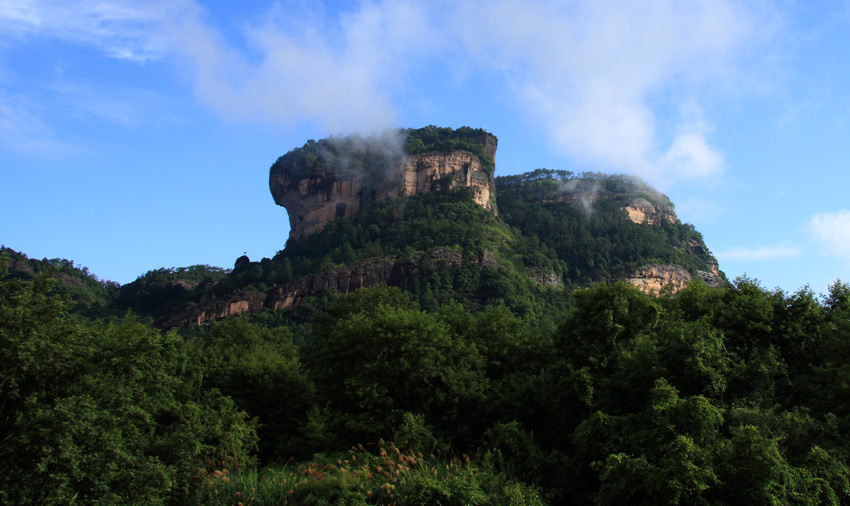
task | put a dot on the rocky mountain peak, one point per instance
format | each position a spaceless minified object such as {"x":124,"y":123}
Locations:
{"x":336,"y":177}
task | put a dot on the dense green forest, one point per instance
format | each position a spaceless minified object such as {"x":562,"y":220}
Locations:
{"x":711,"y":396}
{"x":90,"y":294}
{"x":507,"y":365}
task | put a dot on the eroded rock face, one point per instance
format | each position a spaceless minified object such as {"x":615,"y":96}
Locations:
{"x":426,"y":171}
{"x":363,"y":274}
{"x":241,"y":303}
{"x":712,"y":277}
{"x":652,"y":279}
{"x":644,"y":211}
{"x":315,"y":199}
{"x":655,"y":278}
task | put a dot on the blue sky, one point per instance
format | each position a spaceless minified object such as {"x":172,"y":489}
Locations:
{"x":138,"y":134}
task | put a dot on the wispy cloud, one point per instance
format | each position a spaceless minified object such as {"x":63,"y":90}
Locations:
{"x":594,"y":71}
{"x":337,"y":73}
{"x":832,"y":231}
{"x":22,"y":131}
{"x":120,"y":28}
{"x":31,"y":107}
{"x":85,"y":101}
{"x":782,"y":251}
{"x":597,"y":74}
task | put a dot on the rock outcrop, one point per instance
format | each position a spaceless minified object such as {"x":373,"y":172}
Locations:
{"x":644,"y":211}
{"x":586,"y":194}
{"x":231,"y":307}
{"x":337,"y":177}
{"x":366,"y":273}
{"x":656,"y":278}
{"x":652,"y":279}
{"x":313,"y":198}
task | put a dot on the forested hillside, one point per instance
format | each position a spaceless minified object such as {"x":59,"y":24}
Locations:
{"x":428,"y":350}
{"x":546,"y":242}
{"x":91,"y":295}
{"x":555,"y":231}
{"x":712,"y":396}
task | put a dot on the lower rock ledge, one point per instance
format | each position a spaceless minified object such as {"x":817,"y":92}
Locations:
{"x":655,"y":278}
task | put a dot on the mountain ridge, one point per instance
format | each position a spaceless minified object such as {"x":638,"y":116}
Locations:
{"x":546,"y":233}
{"x":355,"y":227}
{"x":336,"y":177}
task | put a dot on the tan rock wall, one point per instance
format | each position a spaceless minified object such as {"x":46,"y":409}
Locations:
{"x":643,"y":211}
{"x":366,"y":273}
{"x":655,"y":278}
{"x":422,"y":173}
{"x":231,"y":307}
{"x":319,"y":198}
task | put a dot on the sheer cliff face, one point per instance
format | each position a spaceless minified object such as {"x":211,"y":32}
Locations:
{"x":643,"y":211}
{"x":656,"y":278}
{"x":315,"y":199}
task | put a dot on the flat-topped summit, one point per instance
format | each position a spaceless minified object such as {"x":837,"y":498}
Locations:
{"x":335,"y":177}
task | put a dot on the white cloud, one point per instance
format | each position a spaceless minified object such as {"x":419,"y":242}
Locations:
{"x":595,"y":73}
{"x":832,"y":230}
{"x":122,"y":29}
{"x":339,"y":73}
{"x":21,"y":13}
{"x":690,"y":155}
{"x":742,"y":253}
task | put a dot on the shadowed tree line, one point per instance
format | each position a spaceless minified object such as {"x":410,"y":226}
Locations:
{"x":712,"y":396}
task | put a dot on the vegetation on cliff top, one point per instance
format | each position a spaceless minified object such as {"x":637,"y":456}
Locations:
{"x":581,"y":219}
{"x":371,"y":157}
{"x":446,"y":140}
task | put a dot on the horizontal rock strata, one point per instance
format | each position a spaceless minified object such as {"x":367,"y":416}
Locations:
{"x":656,"y":278}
